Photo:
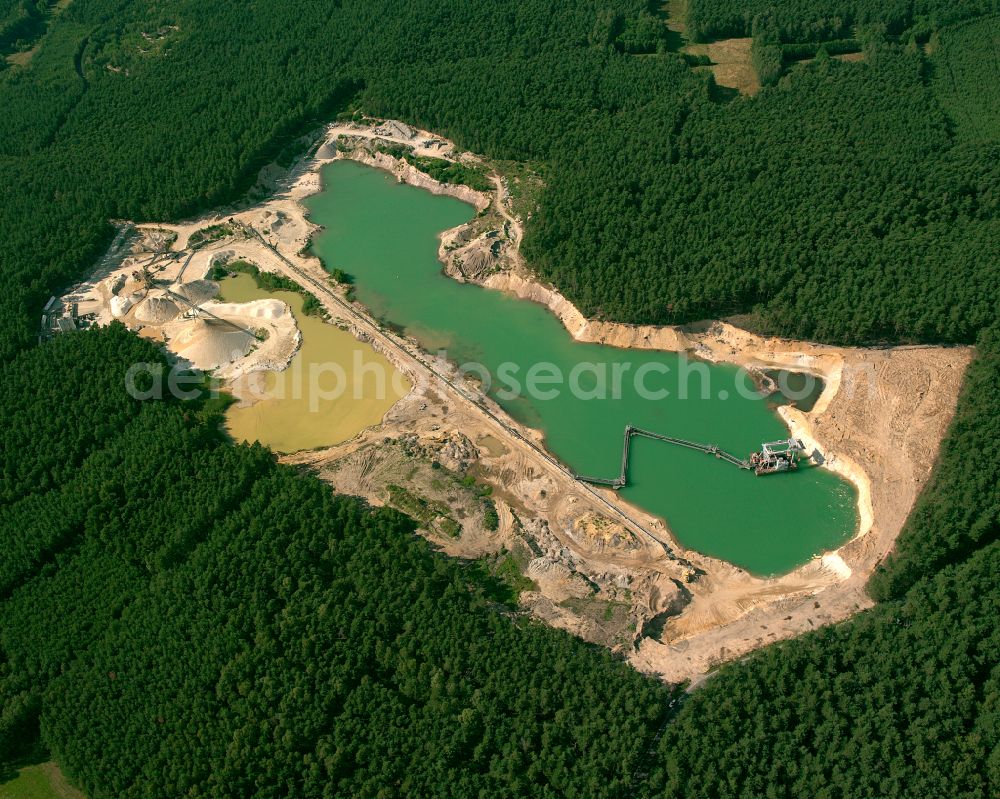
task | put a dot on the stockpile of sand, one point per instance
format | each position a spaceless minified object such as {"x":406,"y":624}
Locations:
{"x":223,"y":338}
{"x":326,"y":151}
{"x":198,"y":291}
{"x":209,"y":343}
{"x":120,"y":306}
{"x":156,"y":310}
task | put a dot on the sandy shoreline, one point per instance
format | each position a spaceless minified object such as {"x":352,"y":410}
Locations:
{"x":753,"y":352}
{"x":878,"y":423}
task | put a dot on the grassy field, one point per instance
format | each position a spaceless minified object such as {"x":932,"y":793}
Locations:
{"x":39,"y":781}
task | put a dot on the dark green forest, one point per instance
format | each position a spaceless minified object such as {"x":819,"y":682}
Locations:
{"x":21,"y":23}
{"x":810,"y":20}
{"x":233,"y":629}
{"x":966,"y":78}
{"x":663,"y":205}
{"x":230,"y":628}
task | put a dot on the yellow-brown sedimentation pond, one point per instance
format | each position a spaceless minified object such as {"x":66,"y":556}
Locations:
{"x":334,"y":387}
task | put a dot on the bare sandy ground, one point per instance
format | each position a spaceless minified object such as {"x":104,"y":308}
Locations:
{"x":731,"y":66}
{"x":879,"y":423}
{"x":230,"y":339}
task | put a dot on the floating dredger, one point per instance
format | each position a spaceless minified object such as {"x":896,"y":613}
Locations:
{"x":774,"y":456}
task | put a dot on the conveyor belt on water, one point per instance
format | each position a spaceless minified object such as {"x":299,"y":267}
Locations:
{"x":622,"y":480}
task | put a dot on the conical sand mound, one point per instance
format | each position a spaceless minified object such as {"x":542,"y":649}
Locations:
{"x":156,"y":310}
{"x":209,"y":344}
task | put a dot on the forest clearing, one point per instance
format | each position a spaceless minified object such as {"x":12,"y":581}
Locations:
{"x":38,"y":781}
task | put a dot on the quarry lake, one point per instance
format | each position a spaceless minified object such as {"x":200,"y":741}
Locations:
{"x":384,"y":234}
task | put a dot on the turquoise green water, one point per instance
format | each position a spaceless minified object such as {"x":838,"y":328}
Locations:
{"x":385,"y":235}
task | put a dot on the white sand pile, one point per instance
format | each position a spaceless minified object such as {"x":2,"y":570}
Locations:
{"x":836,"y":564}
{"x":119,"y":306}
{"x":326,"y":150}
{"x":209,"y":344}
{"x":156,"y":310}
{"x":217,"y":344}
{"x":199,"y":291}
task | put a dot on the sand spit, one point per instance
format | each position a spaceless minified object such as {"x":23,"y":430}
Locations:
{"x":879,"y":422}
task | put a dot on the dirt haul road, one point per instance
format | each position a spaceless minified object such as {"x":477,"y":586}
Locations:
{"x":414,"y":362}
